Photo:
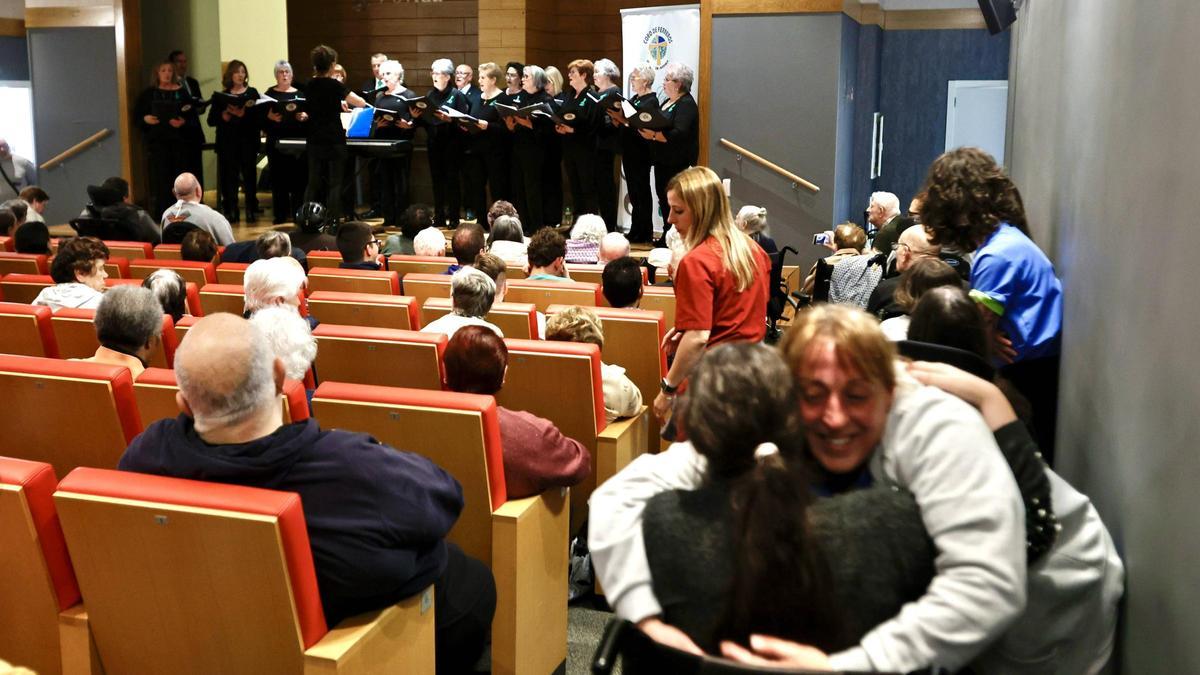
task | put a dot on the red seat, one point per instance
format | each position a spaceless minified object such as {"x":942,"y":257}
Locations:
{"x":199,"y":273}
{"x":26,"y":330}
{"x":24,"y":288}
{"x":155,"y":391}
{"x":546,"y":293}
{"x":382,"y":356}
{"x":419,"y":264}
{"x":324,"y":258}
{"x":117,"y":268}
{"x":365,"y":309}
{"x":7,"y":244}
{"x":231,"y":273}
{"x":353,"y":281}
{"x":168,"y":252}
{"x":222,"y":298}
{"x":23,"y":263}
{"x":191,"y":291}
{"x":130,"y":250}
{"x":75,"y":332}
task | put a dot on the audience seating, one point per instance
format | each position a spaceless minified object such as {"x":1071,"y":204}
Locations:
{"x":546,"y":293}
{"x":365,"y":309}
{"x":383,"y":356}
{"x":117,"y":268}
{"x":222,"y":298}
{"x":592,"y":274}
{"x":175,"y":252}
{"x":25,"y":330}
{"x":660,"y":299}
{"x":324,"y":258}
{"x":23,"y":263}
{"x":8,"y":244}
{"x":67,"y":413}
{"x":185,"y":322}
{"x":155,"y":392}
{"x":514,"y":319}
{"x":37,"y":581}
{"x":24,"y":288}
{"x":185,"y":576}
{"x":512,"y":272}
{"x":75,"y":333}
{"x":353,"y":281}
{"x":231,"y":273}
{"x":420,"y":264}
{"x":199,"y":273}
{"x":191,"y":291}
{"x":560,"y":381}
{"x":523,"y":541}
{"x":632,"y":340}
{"x":421,"y":287}
{"x":129,"y":250}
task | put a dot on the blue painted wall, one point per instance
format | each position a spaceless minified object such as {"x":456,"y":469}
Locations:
{"x":866,"y":103}
{"x":14,"y":59}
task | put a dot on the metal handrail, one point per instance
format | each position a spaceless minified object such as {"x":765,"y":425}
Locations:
{"x":797,"y":181}
{"x":76,"y":149}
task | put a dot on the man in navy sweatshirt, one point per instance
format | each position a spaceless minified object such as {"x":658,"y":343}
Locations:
{"x":377,"y":517}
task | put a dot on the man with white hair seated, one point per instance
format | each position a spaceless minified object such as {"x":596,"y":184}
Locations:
{"x":274,"y":281}
{"x":472,"y":294}
{"x":584,"y":245}
{"x":614,"y":245}
{"x":883,"y":212}
{"x":430,"y":241}
{"x":377,"y":517}
{"x":291,"y":340}
{"x":129,"y":327}
{"x":190,"y":209}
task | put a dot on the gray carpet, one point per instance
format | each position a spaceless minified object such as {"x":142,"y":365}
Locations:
{"x":584,"y":628}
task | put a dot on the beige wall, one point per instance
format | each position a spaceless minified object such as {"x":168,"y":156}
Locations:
{"x":256,"y":33}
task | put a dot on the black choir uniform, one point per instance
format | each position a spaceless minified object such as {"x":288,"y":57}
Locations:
{"x":579,"y":148}
{"x":552,"y":175}
{"x":494,"y":148}
{"x":472,"y":171}
{"x":529,"y":162}
{"x":165,"y":146}
{"x":636,"y":160}
{"x":608,"y":146}
{"x":237,"y":155}
{"x":682,"y":148}
{"x":392,"y":174}
{"x":326,"y":143}
{"x":193,"y":132}
{"x":444,"y":145}
{"x":289,"y":172}
{"x":368,"y":166}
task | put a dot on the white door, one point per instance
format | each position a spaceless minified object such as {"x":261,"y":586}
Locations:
{"x":977,"y":114}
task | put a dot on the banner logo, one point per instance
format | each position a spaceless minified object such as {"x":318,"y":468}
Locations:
{"x":658,"y":43}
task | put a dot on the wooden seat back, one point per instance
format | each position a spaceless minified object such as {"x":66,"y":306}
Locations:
{"x":353,"y":281}
{"x":222,"y":298}
{"x":424,"y":286}
{"x":191,"y":292}
{"x":592,"y":274}
{"x":66,"y":413}
{"x":75,"y":333}
{"x":365,"y":309}
{"x":130,"y":250}
{"x":24,"y":288}
{"x":117,"y":268}
{"x":155,"y":391}
{"x":324,"y":258}
{"x":199,"y":273}
{"x":25,"y":330}
{"x":632,"y":339}
{"x":514,"y":319}
{"x":660,"y":299}
{"x":382,"y":356}
{"x":419,"y":264}
{"x":545,"y":293}
{"x":23,"y":263}
{"x":231,"y":273}
{"x":513,"y":272}
{"x":7,"y":244}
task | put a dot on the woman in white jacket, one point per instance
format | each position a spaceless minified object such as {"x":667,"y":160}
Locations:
{"x":78,"y":273}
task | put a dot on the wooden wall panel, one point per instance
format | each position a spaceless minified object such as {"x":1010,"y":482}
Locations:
{"x":590,"y":29}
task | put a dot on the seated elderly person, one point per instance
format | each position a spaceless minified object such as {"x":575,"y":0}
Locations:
{"x":129,"y":328}
{"x":536,"y":454}
{"x":111,"y":200}
{"x":467,"y":243}
{"x":613,"y":246}
{"x":579,"y":324}
{"x":507,"y":240}
{"x":430,"y":242}
{"x":291,"y":341}
{"x":496,"y":270}
{"x":269,"y":244}
{"x":385,"y":544}
{"x":275,"y":281}
{"x":499,"y":208}
{"x":471,"y":295}
{"x":358,"y":246}
{"x":584,"y":245}
{"x":547,"y":256}
{"x":913,"y":245}
{"x":753,"y":221}
{"x":847,"y":241}
{"x":414,"y":219}
{"x":198,"y":246}
{"x":32,"y":237}
{"x":621,"y":283}
{"x":78,"y":273}
{"x":171,"y":291}
{"x":37,"y":199}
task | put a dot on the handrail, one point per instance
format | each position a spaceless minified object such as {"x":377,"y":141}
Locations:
{"x":76,"y":149}
{"x":742,"y":152}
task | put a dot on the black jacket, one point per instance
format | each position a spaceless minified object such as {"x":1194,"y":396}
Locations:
{"x":682,"y":148}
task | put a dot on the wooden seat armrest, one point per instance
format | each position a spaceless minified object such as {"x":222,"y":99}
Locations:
{"x":397,"y":639}
{"x":621,"y":442}
{"x":530,"y":564}
{"x":79,"y":655}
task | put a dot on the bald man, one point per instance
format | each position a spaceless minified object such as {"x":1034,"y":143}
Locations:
{"x":912,"y":245}
{"x":377,"y":517}
{"x":612,"y":246}
{"x":190,"y":209}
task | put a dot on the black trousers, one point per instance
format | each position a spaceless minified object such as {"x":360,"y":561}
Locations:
{"x":392,"y":178}
{"x":165,"y":161}
{"x":1037,"y":380}
{"x":606,"y":188}
{"x":641,"y":198}
{"x":465,"y":603}
{"x":236,"y":160}
{"x":552,"y":184}
{"x":473,"y":171}
{"x":579,"y":161}
{"x":528,"y":166}
{"x":326,"y":171}
{"x":663,"y":173}
{"x":498,"y":167}
{"x":289,"y":177}
{"x":445,"y":155}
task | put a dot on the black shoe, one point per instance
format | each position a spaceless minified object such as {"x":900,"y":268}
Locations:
{"x":371,"y":213}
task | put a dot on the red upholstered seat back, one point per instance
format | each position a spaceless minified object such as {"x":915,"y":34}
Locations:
{"x":382,"y":356}
{"x":231,"y":273}
{"x":284,"y":506}
{"x":222,"y":298}
{"x":419,"y":264}
{"x":546,"y":293}
{"x":129,"y":250}
{"x":199,"y":273}
{"x":559,"y":381}
{"x":22,"y":263}
{"x":353,"y":281}
{"x":24,"y":288}
{"x":191,"y":291}
{"x":7,"y":244}
{"x":38,"y":481}
{"x":365,"y":309}
{"x":26,"y":330}
{"x":75,"y":332}
{"x":324,"y":258}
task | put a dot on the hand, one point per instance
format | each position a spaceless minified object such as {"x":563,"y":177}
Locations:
{"x":237,"y":111}
{"x":150,"y":119}
{"x":441,"y":115}
{"x":984,"y":395}
{"x":345,"y":107}
{"x":563,"y":129}
{"x":511,"y":123}
{"x":769,"y":651}
{"x":646,"y":134}
{"x":274,"y":116}
{"x":1003,"y":346}
{"x":176,"y":122}
{"x":301,"y":117}
{"x":660,"y":137}
{"x":662,"y":406}
{"x":226,"y":115}
{"x":670,"y":342}
{"x":417,"y":112}
{"x":669,"y":635}
{"x":618,"y":117}
{"x":482,"y":124}
{"x":829,"y":243}
{"x":382,"y":123}
{"x":403,"y":123}
{"x":525,"y":122}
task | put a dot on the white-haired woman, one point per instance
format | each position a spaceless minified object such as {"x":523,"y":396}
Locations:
{"x":394,"y":171}
{"x":677,"y":147}
{"x":608,"y":144}
{"x":289,"y":173}
{"x":444,"y":142}
{"x":635,"y":155}
{"x":584,"y":245}
{"x":530,"y":137}
{"x":753,"y":221}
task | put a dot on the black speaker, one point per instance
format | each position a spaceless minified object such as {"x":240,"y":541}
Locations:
{"x":999,"y":14}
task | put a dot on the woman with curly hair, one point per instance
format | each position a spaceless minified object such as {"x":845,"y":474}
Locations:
{"x":971,"y":204}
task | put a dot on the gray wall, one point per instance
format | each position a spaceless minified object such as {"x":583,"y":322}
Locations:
{"x":776,"y":86}
{"x":1103,"y":148}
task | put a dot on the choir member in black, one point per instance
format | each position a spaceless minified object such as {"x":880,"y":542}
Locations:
{"x":552,"y":174}
{"x":608,"y":145}
{"x":368,"y":167}
{"x":528,"y":149}
{"x":579,"y":137}
{"x":237,"y":143}
{"x":289,"y":172}
{"x":678,"y":147}
{"x":193,"y":132}
{"x":473,"y":170}
{"x":513,"y":72}
{"x":326,"y":138}
{"x":393,"y":172}
{"x":165,"y":146}
{"x":494,"y":145}
{"x":635,"y":156}
{"x":444,"y":143}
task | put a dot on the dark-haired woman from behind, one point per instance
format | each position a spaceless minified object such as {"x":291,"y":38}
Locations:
{"x":752,"y":552}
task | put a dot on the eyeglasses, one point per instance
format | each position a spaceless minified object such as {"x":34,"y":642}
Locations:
{"x":896,"y":247}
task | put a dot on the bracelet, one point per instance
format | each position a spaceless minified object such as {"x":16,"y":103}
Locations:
{"x":667,"y":388}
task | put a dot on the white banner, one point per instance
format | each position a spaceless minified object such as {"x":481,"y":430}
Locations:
{"x":658,"y":36}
